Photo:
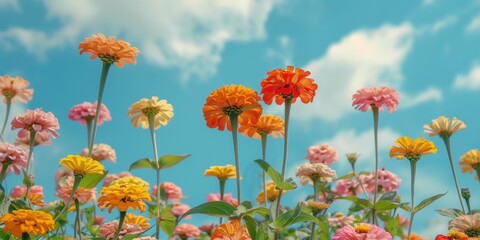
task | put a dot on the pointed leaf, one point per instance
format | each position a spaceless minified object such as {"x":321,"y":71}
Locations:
{"x":405,"y":206}
{"x":215,"y":208}
{"x":427,"y":202}
{"x":389,"y":196}
{"x":450,"y":212}
{"x":251,"y":226}
{"x":272,"y":173}
{"x":142,"y":163}
{"x":383,"y":205}
{"x":287,"y":218}
{"x":286,"y":185}
{"x":92,"y":179}
{"x":167,"y":161}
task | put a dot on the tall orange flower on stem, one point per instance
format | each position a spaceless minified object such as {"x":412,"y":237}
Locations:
{"x":229,"y":106}
{"x":286,"y":85}
{"x":267,"y":124}
{"x":110,"y":51}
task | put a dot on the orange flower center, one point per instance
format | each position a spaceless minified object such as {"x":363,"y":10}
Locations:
{"x":363,"y":228}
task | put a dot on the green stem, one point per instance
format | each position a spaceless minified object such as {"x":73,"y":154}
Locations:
{"x":446,"y":140}
{"x":375,"y":134}
{"x":234,"y":125}
{"x":89,"y":132}
{"x":478,"y":172}
{"x":76,"y":182}
{"x":222,"y":192}
{"x":120,"y":224}
{"x":315,"y":195}
{"x":103,"y":80}
{"x":288,"y":105}
{"x":78,"y":222}
{"x":25,"y":236}
{"x":31,"y":142}
{"x":151,"y":126}
{"x":413,"y":168}
{"x":4,"y":170}
{"x":7,"y":113}
{"x":264,"y":158}
{"x":357,"y":177}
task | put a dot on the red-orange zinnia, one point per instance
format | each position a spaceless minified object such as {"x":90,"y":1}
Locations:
{"x":231,"y":100}
{"x":290,"y":83}
{"x":109,"y":49}
{"x":232,"y":230}
{"x":267,"y":124}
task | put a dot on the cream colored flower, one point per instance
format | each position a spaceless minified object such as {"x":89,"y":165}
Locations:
{"x":311,"y":171}
{"x":443,"y":127}
{"x":468,"y":224}
{"x":161,"y":111}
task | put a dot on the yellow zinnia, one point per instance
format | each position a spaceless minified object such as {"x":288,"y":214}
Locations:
{"x":27,"y":221}
{"x":412,"y":149}
{"x":81,"y":165}
{"x":129,"y":180}
{"x":221,"y":172}
{"x":161,"y":111}
{"x":442,"y":126}
{"x":124,"y":196}
{"x":138,"y":220}
{"x":272,"y":193}
{"x":470,"y":161}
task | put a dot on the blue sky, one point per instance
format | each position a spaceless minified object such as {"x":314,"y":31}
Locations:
{"x":427,"y":50}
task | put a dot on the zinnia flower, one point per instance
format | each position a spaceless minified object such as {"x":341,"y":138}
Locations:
{"x":83,"y":195}
{"x":361,"y":232}
{"x":414,"y":236}
{"x":35,"y":196}
{"x":124,"y":196}
{"x":232,"y":230}
{"x":227,"y":197}
{"x":186,"y":230}
{"x":231,"y":100}
{"x":290,"y":83}
{"x":180,"y":209}
{"x":27,"y":221}
{"x":138,"y":220}
{"x":348,"y":187}
{"x":131,"y":180}
{"x":112,"y":177}
{"x":412,"y":149}
{"x":109,"y":49}
{"x":221,"y":172}
{"x":309,"y":172}
{"x":40,"y":139}
{"x":452,"y":235}
{"x":387,"y":181}
{"x":38,"y":121}
{"x":340,"y":220}
{"x":109,"y":229}
{"x":272,"y":193}
{"x":208,"y":228}
{"x":443,"y":127}
{"x":14,"y":157}
{"x":161,"y":111}
{"x":471,"y":161}
{"x":85,"y":111}
{"x":172,"y":191}
{"x":322,"y":153}
{"x":468,"y":224}
{"x":267,"y":124}
{"x":101,"y":152}
{"x":367,"y":97}
{"x":81,"y":165}
{"x":15,"y":89}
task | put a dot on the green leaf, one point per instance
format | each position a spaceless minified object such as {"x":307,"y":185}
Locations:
{"x":251,"y":226}
{"x":384,"y":205}
{"x":168,"y":220}
{"x":427,"y":202}
{"x":405,"y":206}
{"x":27,"y":181}
{"x":287,"y":218}
{"x":18,"y":204}
{"x":449,"y":212}
{"x":215,"y":208}
{"x":92,"y":179}
{"x":272,"y":173}
{"x":167,"y":161}
{"x":142,"y":163}
{"x":389,"y":196}
{"x":287,"y":185}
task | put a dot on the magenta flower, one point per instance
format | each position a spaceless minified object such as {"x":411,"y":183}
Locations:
{"x":363,"y":231}
{"x":173,"y":191}
{"x":101,"y":152}
{"x":227,"y":197}
{"x":37,"y":120}
{"x":367,"y":97}
{"x":109,"y":229}
{"x":85,"y":111}
{"x":14,"y":157}
{"x":186,"y":230}
{"x":387,"y":181}
{"x":322,"y":153}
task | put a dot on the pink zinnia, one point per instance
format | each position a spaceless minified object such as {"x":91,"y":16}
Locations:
{"x":85,"y":111}
{"x":112,"y":177}
{"x":101,"y":152}
{"x":363,"y":231}
{"x":322,"y":153}
{"x":83,"y":195}
{"x":61,"y":176}
{"x":364,"y":98}
{"x":14,"y":157}
{"x":208,"y":228}
{"x":15,"y":88}
{"x":38,"y":120}
{"x":35,"y":195}
{"x":340,"y":220}
{"x":179,"y":209}
{"x":227,"y":197}
{"x":41,"y":138}
{"x":348,"y":187}
{"x":387,"y":181}
{"x":109,"y":229}
{"x":98,"y":220}
{"x":187,"y":231}
{"x":172,"y":191}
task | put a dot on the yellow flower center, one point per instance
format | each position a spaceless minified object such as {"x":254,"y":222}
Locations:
{"x":456,"y":234}
{"x":339,"y":214}
{"x":362,"y":228}
{"x":318,"y":205}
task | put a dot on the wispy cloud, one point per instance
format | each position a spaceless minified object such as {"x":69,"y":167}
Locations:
{"x":429,"y":94}
{"x":189,"y":35}
{"x":444,"y":23}
{"x":283,"y":51}
{"x":470,"y":80}
{"x":10,"y":4}
{"x":474,"y":24}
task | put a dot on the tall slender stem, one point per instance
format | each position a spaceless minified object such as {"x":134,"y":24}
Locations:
{"x":375,"y":134}
{"x":101,"y":87}
{"x":31,"y":144}
{"x":413,"y":168}
{"x":234,"y":124}
{"x":89,"y":131}
{"x":446,"y":140}
{"x":222,"y":192}
{"x":315,"y":196}
{"x":264,"y":158}
{"x":78,"y":222}
{"x":120,"y":224}
{"x":76,"y":182}
{"x":151,"y":125}
{"x":7,"y":113}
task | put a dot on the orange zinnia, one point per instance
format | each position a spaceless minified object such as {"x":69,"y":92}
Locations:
{"x":267,"y":124}
{"x":283,"y":84}
{"x":109,"y":50}
{"x":228,"y":101}
{"x":232,"y":230}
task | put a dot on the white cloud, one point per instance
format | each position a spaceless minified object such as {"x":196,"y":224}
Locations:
{"x":470,"y":80}
{"x":9,"y":4}
{"x":430,"y":94}
{"x":283,"y":51}
{"x":186,"y":34}
{"x":444,"y":23}
{"x":474,"y":24}
{"x":428,"y":2}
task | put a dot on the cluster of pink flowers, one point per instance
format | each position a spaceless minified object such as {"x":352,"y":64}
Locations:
{"x":36,"y":195}
{"x":45,"y":124}
{"x":186,"y":230}
{"x":387,"y":181}
{"x":85,"y":111}
{"x":179,"y":209}
{"x":322,"y":153}
{"x":101,"y":152}
{"x":172,"y":191}
{"x":227,"y":197}
{"x":83,"y":195}
{"x":14,"y":157}
{"x":40,"y":139}
{"x":112,"y":177}
{"x":349,"y":186}
{"x":109,"y":229}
